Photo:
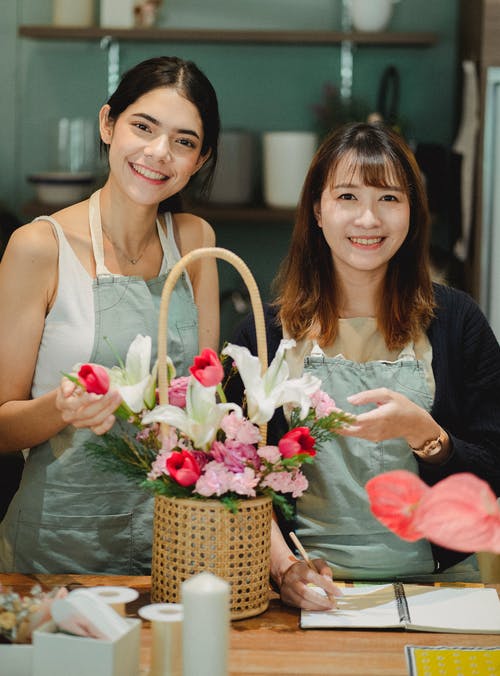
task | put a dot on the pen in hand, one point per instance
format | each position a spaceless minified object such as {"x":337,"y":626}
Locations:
{"x":302,"y":551}
{"x":310,"y":564}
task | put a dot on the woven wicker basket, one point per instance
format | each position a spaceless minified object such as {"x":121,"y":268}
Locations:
{"x":190,"y":535}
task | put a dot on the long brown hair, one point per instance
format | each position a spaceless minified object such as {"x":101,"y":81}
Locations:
{"x":308,"y":293}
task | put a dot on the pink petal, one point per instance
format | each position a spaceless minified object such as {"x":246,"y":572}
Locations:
{"x":461,"y":512}
{"x":394,"y":497}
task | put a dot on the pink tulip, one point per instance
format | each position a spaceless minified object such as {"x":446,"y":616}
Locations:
{"x":94,"y":378}
{"x":183,"y":468}
{"x":461,"y":512}
{"x":207,"y":368}
{"x":394,"y":498}
{"x":297,"y":442}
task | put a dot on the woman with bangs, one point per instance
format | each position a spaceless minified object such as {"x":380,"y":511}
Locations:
{"x":416,"y":363}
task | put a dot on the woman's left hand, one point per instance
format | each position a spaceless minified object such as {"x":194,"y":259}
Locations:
{"x":394,"y":416}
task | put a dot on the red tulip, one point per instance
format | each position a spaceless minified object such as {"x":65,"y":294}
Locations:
{"x":297,"y":441}
{"x":94,"y":378}
{"x":394,"y":498}
{"x":183,"y":468}
{"x":207,"y":368}
{"x":461,"y":512}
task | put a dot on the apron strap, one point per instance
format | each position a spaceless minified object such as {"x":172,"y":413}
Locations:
{"x":96,"y":234}
{"x":97,"y":240}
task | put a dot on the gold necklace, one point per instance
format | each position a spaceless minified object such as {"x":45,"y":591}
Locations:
{"x":116,"y":246}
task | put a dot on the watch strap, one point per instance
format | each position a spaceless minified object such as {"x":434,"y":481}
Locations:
{"x":432,"y":446}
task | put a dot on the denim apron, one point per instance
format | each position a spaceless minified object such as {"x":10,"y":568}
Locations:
{"x":68,"y":515}
{"x":334,"y":521}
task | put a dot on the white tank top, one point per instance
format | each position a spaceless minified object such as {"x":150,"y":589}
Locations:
{"x":68,"y":335}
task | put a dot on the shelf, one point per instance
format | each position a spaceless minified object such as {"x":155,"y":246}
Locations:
{"x":307,"y":37}
{"x":213,"y":213}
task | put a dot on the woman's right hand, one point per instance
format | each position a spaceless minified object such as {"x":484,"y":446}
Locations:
{"x":298,"y":582}
{"x":81,"y":409}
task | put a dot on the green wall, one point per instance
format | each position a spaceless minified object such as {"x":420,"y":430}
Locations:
{"x":260,"y":87}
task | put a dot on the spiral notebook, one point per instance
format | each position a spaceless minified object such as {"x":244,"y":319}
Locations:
{"x":453,"y":609}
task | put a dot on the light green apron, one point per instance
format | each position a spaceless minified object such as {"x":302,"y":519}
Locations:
{"x":69,"y":516}
{"x":334,"y":521}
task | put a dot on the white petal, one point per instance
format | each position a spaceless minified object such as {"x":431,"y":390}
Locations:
{"x":138,"y":360}
{"x":133,"y":395}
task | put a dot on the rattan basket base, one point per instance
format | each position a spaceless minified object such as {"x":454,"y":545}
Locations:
{"x":191,"y":536}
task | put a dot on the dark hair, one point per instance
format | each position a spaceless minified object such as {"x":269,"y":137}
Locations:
{"x":308,"y":292}
{"x":191,"y":83}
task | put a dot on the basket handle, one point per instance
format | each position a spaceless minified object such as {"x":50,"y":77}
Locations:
{"x":170,"y":282}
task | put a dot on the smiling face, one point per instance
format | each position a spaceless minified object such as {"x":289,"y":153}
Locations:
{"x":363,"y":225}
{"x":154,"y":145}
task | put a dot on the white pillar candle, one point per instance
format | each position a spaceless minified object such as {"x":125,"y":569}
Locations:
{"x":205,"y":600}
{"x":166,"y":630}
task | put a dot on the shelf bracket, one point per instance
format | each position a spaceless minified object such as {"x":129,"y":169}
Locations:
{"x":346,"y":56}
{"x":112,"y":48}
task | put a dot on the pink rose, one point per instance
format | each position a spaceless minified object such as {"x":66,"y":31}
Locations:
{"x":183,"y":468}
{"x":235,"y":456}
{"x":177,"y":391}
{"x":94,"y":378}
{"x":207,"y":368}
{"x":297,"y":441}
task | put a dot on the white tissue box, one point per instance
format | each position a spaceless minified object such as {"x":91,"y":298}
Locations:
{"x":59,"y":654}
{"x":16,"y":660}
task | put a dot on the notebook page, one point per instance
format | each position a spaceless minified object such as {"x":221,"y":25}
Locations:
{"x":363,"y":606}
{"x":453,"y":609}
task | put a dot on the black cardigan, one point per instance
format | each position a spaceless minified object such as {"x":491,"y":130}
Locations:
{"x":466,"y":367}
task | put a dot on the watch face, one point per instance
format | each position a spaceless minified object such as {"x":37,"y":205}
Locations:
{"x":431,"y":447}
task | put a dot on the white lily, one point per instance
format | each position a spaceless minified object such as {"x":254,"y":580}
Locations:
{"x":266,"y":393}
{"x":133,"y":380}
{"x":202,"y":417}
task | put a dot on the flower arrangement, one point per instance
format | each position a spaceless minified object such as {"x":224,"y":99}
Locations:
{"x":201,"y":446}
{"x":460,"y":512}
{"x":21,"y":615}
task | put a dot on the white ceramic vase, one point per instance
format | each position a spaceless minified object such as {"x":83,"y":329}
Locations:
{"x":286,"y":158}
{"x":73,"y":12}
{"x":371,"y":15}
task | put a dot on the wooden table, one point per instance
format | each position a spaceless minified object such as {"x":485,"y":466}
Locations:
{"x":273,"y":643}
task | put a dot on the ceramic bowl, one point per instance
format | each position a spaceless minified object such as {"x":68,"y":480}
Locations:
{"x":58,"y":187}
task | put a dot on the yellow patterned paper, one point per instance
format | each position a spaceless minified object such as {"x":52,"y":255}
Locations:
{"x":448,"y":661}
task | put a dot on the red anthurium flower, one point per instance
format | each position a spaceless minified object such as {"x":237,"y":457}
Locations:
{"x":461,"y":512}
{"x":183,"y":468}
{"x":94,"y":378}
{"x":394,"y":498}
{"x":207,"y":368}
{"x":296,"y":441}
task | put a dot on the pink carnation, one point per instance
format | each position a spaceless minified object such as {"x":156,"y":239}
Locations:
{"x":215,"y":480}
{"x":177,"y":391}
{"x":240,"y":429}
{"x":287,"y":482}
{"x":270,"y":454}
{"x":322,"y":403}
{"x":159,"y":465}
{"x":244,"y":483}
